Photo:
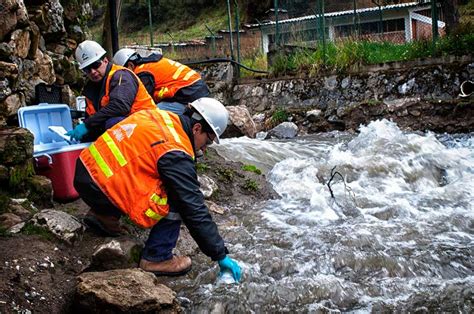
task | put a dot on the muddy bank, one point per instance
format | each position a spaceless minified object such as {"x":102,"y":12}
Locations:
{"x":39,"y":272}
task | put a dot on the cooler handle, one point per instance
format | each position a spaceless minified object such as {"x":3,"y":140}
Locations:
{"x":41,"y":164}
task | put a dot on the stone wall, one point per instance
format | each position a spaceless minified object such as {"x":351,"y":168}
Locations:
{"x":37,"y":41}
{"x":431,"y":79}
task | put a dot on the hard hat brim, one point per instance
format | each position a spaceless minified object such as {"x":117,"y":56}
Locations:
{"x":90,"y":61}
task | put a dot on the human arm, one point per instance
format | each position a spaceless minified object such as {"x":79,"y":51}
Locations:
{"x":123,"y":89}
{"x":178,"y":174}
{"x":148,"y":81}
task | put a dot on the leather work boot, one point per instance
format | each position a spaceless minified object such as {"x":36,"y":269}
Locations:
{"x":104,"y":225}
{"x":176,"y":266}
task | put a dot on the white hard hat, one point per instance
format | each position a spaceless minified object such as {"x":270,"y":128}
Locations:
{"x":88,"y":52}
{"x":214,"y":112}
{"x":121,"y":57}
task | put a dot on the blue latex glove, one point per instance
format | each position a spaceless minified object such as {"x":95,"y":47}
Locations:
{"x":229,"y":264}
{"x":79,"y":131}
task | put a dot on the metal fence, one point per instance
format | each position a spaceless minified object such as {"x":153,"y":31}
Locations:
{"x":303,"y":23}
{"x":311,"y":23}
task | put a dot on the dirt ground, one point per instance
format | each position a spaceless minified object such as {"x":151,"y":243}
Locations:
{"x":38,"y":272}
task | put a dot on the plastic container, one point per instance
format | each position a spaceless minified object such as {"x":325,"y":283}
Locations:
{"x":54,"y":157}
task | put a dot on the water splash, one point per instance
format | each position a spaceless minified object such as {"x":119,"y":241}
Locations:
{"x":401,"y":240}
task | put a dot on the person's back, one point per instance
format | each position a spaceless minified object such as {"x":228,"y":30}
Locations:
{"x":172,"y":84}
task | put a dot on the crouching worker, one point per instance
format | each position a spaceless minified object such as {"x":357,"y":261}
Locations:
{"x":112,"y":92}
{"x":144,"y":167}
{"x":172,"y":84}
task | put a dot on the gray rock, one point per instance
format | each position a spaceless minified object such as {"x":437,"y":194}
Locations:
{"x":283,"y":130}
{"x":61,"y":224}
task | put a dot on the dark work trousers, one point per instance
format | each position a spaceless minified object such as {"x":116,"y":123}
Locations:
{"x":163,"y":236}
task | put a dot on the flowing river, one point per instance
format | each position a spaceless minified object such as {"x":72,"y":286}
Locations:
{"x":397,"y":234}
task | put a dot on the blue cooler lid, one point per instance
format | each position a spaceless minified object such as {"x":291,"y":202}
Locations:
{"x":38,"y":118}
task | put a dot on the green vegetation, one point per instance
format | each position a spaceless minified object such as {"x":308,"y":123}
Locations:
{"x":342,"y":56}
{"x":4,"y":202}
{"x":251,"y":168}
{"x":19,"y":174}
{"x":31,"y":229}
{"x":280,"y":115}
{"x":226,"y":175}
{"x":250,"y":185}
{"x":202,"y":167}
{"x":258,"y":62}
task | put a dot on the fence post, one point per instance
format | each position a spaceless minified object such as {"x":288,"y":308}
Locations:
{"x":277,"y":26}
{"x":434,"y":20}
{"x":322,"y":27}
{"x":229,"y":24}
{"x":151,"y":23}
{"x":237,"y":26}
{"x":213,"y":40}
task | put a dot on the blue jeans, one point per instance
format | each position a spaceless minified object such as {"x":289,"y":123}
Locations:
{"x":161,"y":240}
{"x":175,"y":107}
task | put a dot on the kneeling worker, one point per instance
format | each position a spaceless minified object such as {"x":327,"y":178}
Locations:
{"x":112,"y":92}
{"x":144,"y":167}
{"x":172,"y":84}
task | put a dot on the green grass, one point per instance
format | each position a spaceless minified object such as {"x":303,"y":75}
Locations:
{"x":251,"y":168}
{"x":280,"y":115}
{"x":31,"y":229}
{"x":342,"y":56}
{"x":250,"y":185}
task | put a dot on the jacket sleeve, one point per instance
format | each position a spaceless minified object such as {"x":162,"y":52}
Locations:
{"x":123,"y":90}
{"x":178,"y":174}
{"x":148,"y":80}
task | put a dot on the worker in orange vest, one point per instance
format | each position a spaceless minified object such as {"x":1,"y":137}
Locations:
{"x":144,"y":167}
{"x":172,"y":84}
{"x":112,"y":92}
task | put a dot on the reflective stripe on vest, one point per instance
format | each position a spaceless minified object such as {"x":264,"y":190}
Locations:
{"x":178,"y":72}
{"x":170,"y":125}
{"x":114,"y":149}
{"x":100,"y":161}
{"x":189,"y":74}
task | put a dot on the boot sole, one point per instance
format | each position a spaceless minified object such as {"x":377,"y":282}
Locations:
{"x":171,"y":274}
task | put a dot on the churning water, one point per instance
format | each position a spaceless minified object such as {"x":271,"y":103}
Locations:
{"x":397,"y":235}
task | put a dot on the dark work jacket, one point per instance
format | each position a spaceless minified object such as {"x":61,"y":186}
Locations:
{"x":178,"y":174}
{"x":120,"y":101}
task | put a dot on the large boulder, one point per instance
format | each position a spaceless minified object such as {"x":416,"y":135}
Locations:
{"x":241,"y":122}
{"x":123,"y":291}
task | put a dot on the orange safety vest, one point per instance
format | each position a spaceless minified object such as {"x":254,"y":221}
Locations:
{"x":142,"y":99}
{"x":170,"y":76}
{"x":123,"y":163}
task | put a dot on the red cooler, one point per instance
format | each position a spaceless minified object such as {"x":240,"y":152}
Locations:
{"x":54,"y":157}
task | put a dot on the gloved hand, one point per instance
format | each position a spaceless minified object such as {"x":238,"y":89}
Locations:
{"x":79,"y":131}
{"x":229,"y":264}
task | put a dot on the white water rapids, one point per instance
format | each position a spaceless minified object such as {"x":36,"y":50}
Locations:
{"x":398,"y":234}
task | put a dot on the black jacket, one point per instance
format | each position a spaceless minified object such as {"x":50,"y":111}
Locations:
{"x":122,"y":91}
{"x":178,"y":173}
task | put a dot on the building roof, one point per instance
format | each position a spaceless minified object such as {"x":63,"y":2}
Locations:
{"x":342,"y":13}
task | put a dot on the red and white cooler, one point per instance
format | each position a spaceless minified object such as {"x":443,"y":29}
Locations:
{"x":54,"y":157}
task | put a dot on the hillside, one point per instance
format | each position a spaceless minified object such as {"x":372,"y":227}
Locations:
{"x":186,"y":20}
